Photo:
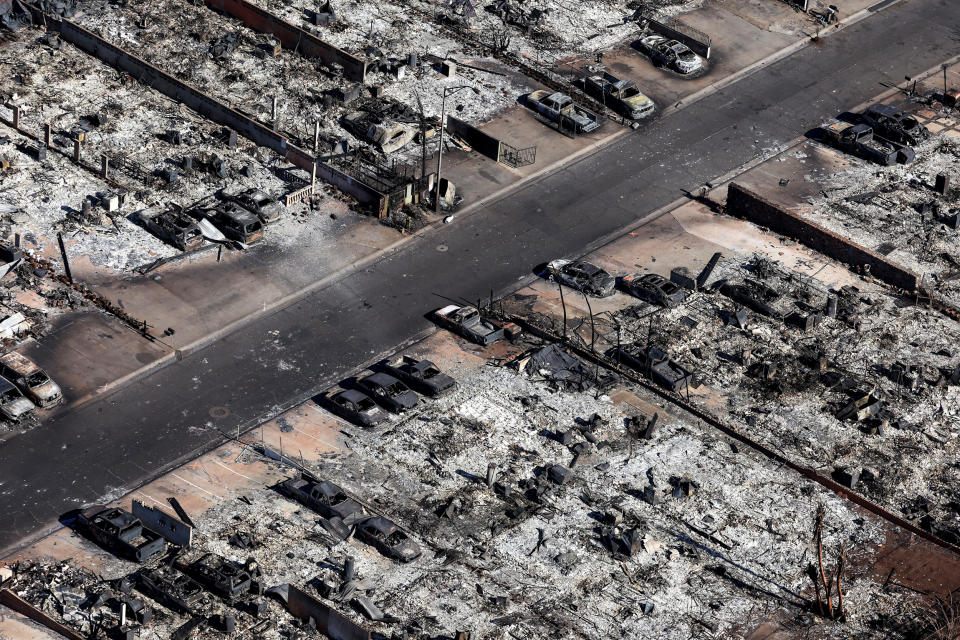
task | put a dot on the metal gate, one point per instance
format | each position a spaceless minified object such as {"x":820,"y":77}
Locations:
{"x":516,"y":158}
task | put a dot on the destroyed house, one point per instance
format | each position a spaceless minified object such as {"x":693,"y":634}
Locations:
{"x":780,"y":295}
{"x":654,"y":364}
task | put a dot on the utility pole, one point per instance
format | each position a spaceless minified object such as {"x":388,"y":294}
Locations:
{"x":63,"y":253}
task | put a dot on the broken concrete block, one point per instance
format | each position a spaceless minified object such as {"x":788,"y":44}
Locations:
{"x":346,"y":95}
{"x":942,"y":184}
{"x":740,"y":318}
{"x":448,"y":68}
{"x":650,"y":496}
{"x":558,"y":474}
{"x":368,"y":608}
{"x":110,"y":202}
{"x":847,"y":477}
{"x":681,"y":276}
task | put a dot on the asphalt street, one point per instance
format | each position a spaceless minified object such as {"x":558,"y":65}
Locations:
{"x":112,"y":445}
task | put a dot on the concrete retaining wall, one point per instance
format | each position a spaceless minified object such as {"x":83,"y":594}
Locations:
{"x":700,"y":46}
{"x":746,"y":204}
{"x":292,"y":37}
{"x":480,"y":141}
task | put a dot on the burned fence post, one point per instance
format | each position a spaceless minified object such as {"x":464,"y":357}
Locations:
{"x":63,"y":253}
{"x":593,"y":329}
{"x":104,"y":166}
{"x":491,"y":474}
{"x":76,"y":150}
{"x":564,"y":305}
{"x":46,"y":134}
{"x":349,"y":569}
{"x":16,"y":117}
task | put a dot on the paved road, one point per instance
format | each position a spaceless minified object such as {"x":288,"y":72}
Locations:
{"x":112,"y":445}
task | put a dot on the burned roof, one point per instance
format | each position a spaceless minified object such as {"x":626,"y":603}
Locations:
{"x":381,"y":379}
{"x":352,"y":395}
{"x":382,"y":525}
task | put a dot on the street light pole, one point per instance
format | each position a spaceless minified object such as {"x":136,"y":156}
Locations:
{"x":443,"y":108}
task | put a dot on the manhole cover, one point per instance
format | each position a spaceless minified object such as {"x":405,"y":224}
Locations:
{"x":442,"y":248}
{"x":219,"y":412}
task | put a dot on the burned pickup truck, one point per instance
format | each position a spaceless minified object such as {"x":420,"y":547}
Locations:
{"x":894,"y":125}
{"x":622,"y":96}
{"x":121,"y":532}
{"x":655,"y":364}
{"x":173,"y":227}
{"x":859,"y":140}
{"x":560,"y":109}
{"x":467,"y":322}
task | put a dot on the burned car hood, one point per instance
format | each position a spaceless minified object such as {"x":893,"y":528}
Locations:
{"x":603,"y":285}
{"x":407,"y":550}
{"x":408,"y":399}
{"x":18,"y":407}
{"x":47,"y":392}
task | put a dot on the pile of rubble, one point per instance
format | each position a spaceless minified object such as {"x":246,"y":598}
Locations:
{"x":842,"y":379}
{"x":902,"y":213}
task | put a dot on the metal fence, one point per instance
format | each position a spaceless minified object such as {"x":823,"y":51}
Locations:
{"x":516,"y":158}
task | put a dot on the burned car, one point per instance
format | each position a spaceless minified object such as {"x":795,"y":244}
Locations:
{"x":582,"y":276}
{"x":121,"y":532}
{"x":655,"y":364}
{"x":175,"y":228}
{"x":13,"y":404}
{"x":655,"y":288}
{"x":257,"y":202}
{"x":622,"y":96}
{"x":389,"y":539}
{"x":226,"y":578}
{"x":895,"y":125}
{"x":356,"y":406}
{"x":467,"y":322}
{"x":326,"y":498}
{"x":174,"y":590}
{"x":671,"y":53}
{"x":30,"y":379}
{"x":420,"y":375}
{"x":389,"y":392}
{"x":560,"y":109}
{"x":237,"y":223}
